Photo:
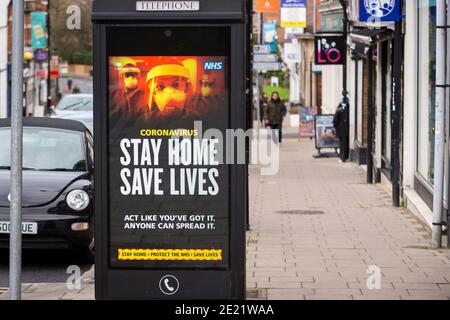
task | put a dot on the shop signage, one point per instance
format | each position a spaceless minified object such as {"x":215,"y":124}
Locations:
{"x":325,"y":132}
{"x":380,"y":10}
{"x":292,"y":52}
{"x":38,"y":30}
{"x":267,"y":6}
{"x":270,"y":35}
{"x":330,"y":50}
{"x":293,"y":13}
{"x":307,"y":115}
{"x":40,"y":55}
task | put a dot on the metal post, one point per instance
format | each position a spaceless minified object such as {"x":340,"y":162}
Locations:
{"x":370,"y":118}
{"x":15,"y":258}
{"x":395,"y":113}
{"x":436,"y":241}
{"x":261,"y":28}
{"x":249,"y":74}
{"x":314,"y":15}
{"x":448,"y":111}
{"x":49,"y":79}
{"x":258,"y":101}
{"x":345,"y":34}
{"x":344,"y":66}
{"x":311,"y":83}
{"x":356,"y":96}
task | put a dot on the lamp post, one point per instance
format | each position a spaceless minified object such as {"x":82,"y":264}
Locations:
{"x":49,"y":56}
{"x":345,"y":34}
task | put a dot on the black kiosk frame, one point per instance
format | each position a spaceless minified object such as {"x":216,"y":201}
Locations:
{"x":117,"y":24}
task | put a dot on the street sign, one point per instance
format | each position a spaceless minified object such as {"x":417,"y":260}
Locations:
{"x":267,"y":66}
{"x":265,"y":58}
{"x":260,"y":49}
{"x":170,"y":215}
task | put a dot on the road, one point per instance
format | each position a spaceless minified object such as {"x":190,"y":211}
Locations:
{"x":84,"y":84}
{"x":42,"y":266}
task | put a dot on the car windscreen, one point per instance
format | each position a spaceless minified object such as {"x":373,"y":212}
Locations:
{"x":46,"y":149}
{"x":76,"y":103}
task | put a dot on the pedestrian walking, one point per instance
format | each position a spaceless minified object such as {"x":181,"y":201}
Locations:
{"x":69,"y":84}
{"x":341,"y":124}
{"x":275,"y":112}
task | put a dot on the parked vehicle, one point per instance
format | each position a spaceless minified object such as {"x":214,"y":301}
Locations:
{"x":74,"y":103}
{"x":85,"y":117}
{"x":57,"y":185}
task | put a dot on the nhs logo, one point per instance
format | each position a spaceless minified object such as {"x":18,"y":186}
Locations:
{"x":213,"y":66}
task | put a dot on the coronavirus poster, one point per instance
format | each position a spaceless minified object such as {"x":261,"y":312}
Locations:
{"x":169,"y":192}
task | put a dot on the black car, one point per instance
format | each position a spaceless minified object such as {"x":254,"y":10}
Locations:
{"x":57,"y":185}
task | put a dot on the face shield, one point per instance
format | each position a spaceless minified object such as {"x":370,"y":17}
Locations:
{"x":130,"y":75}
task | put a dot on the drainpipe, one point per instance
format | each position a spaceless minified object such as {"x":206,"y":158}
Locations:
{"x":440,"y":124}
{"x":370,"y":118}
{"x":395,"y":113}
{"x":448,"y":110}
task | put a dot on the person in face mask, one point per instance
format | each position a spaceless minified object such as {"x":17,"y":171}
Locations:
{"x":169,"y":85}
{"x":208,"y":100}
{"x":129,"y":98}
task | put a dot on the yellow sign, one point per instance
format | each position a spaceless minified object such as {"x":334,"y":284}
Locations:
{"x":293,"y":24}
{"x":170,"y":254}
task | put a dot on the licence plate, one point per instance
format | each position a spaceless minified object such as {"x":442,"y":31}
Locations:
{"x":27,"y":227}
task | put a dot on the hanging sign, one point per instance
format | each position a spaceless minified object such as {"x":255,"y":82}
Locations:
{"x":270,"y":35}
{"x":38,"y":30}
{"x":325,"y":132}
{"x":380,"y":10}
{"x":293,"y":13}
{"x":292,"y":52}
{"x":267,"y":6}
{"x":330,"y":50}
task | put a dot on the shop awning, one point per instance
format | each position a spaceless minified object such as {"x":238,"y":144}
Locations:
{"x":363,"y":38}
{"x":368,"y":37}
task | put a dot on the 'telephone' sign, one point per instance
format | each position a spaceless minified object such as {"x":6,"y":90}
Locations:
{"x":167,"y":5}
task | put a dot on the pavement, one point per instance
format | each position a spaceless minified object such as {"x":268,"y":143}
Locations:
{"x":318,"y":232}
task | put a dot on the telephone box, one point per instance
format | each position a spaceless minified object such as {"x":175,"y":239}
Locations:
{"x":169,"y":215}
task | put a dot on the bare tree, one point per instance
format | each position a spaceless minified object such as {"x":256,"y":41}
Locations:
{"x":74,"y":44}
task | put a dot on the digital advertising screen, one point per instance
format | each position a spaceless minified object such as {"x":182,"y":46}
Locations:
{"x":168,"y":187}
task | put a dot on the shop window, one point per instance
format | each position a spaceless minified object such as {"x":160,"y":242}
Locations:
{"x":426,"y":48}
